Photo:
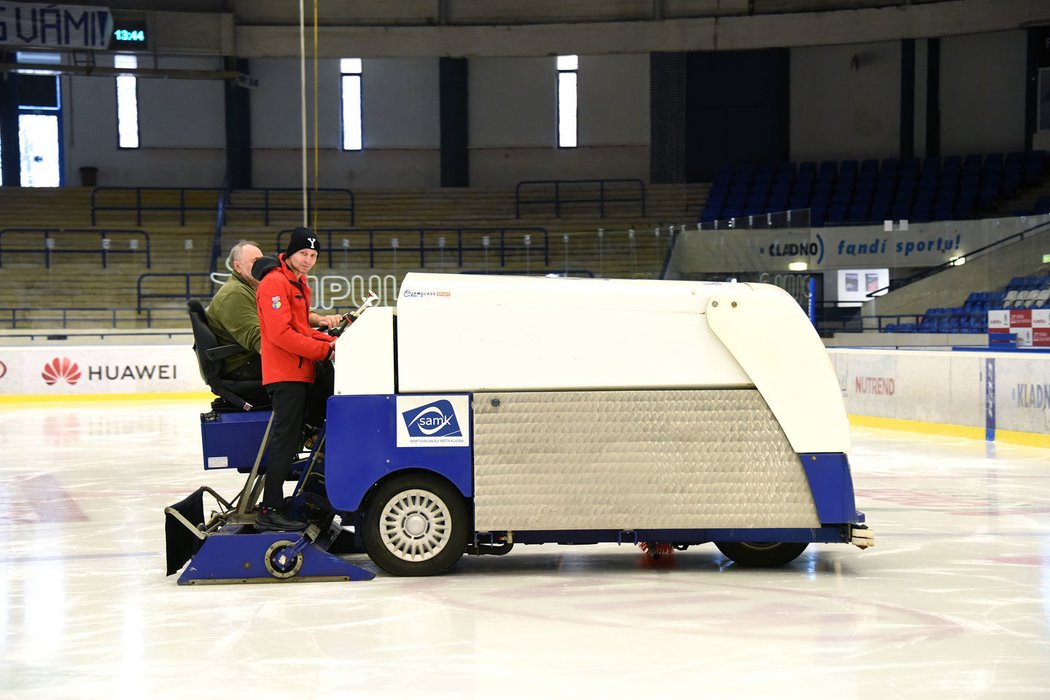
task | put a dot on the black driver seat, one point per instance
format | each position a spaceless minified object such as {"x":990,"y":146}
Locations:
{"x":234,"y":394}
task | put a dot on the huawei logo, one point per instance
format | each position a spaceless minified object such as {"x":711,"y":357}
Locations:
{"x":61,"y":368}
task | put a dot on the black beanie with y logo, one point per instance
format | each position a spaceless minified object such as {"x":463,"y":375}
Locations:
{"x":301,"y":238}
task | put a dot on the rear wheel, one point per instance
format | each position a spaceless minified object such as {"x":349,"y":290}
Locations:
{"x":762,"y":554}
{"x":416,"y":525}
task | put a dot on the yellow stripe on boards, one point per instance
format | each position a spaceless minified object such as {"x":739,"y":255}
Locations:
{"x":15,"y":399}
{"x":964,"y":431}
{"x":1018,"y":438}
{"x":917,"y":426}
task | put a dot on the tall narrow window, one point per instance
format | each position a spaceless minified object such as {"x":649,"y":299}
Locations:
{"x":568,"y":66}
{"x":350,"y":75}
{"x":127,"y":103}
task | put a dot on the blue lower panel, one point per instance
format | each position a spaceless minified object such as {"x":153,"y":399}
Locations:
{"x":362,"y":448}
{"x":820,"y":534}
{"x":236,"y":555}
{"x":831,"y":483}
{"x":231,"y":440}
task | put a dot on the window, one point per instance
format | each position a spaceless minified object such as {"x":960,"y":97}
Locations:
{"x":350,"y":76}
{"x":39,"y":140}
{"x":127,"y":103}
{"x":567,"y":69}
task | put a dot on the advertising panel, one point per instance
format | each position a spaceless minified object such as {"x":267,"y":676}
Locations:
{"x":98,"y":369}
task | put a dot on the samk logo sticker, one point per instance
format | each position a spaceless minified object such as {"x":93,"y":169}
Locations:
{"x":432,"y":421}
{"x":61,"y":369}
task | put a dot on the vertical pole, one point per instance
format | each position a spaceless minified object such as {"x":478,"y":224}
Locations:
{"x":317,"y":155}
{"x":302,"y":99}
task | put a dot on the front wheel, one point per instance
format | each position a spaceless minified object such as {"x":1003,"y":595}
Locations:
{"x":415,"y":525}
{"x":762,"y":554}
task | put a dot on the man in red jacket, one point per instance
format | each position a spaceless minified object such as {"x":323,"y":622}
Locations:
{"x":290,"y":348}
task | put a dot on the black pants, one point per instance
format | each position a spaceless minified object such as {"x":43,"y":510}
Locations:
{"x":289,"y":411}
{"x":294,"y":403}
{"x":318,"y":393}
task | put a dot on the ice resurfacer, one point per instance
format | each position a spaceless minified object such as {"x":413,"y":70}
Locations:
{"x":491,"y":411}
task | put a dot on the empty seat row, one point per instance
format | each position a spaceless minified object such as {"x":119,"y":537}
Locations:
{"x":972,"y":317}
{"x":870,"y":191}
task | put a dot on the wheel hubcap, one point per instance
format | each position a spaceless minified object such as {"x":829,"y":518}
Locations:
{"x":415,"y":525}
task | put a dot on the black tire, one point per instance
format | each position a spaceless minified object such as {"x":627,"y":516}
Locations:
{"x":416,"y":525}
{"x":761,"y":554}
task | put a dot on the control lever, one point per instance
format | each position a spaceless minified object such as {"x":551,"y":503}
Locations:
{"x":351,"y":316}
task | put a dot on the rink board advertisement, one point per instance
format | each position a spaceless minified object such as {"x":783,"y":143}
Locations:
{"x":994,"y":391}
{"x":98,"y":369}
{"x":1031,"y":327}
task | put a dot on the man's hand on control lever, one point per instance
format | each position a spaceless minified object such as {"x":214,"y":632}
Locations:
{"x":352,"y":316}
{"x":329,"y":321}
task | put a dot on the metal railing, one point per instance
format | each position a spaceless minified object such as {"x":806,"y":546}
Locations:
{"x":146,"y":199}
{"x":145,"y":280}
{"x":1018,"y":237}
{"x":427,"y":240}
{"x":48,"y":246}
{"x":289,"y":199}
{"x":220,"y":219}
{"x":175,"y":200}
{"x":14,"y":317}
{"x":559,"y":192}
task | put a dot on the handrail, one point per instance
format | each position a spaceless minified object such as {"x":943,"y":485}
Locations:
{"x":158,"y":199}
{"x":575,"y":272}
{"x":437,"y":242}
{"x":187,"y":278}
{"x":296,"y":205}
{"x":897,"y":284}
{"x":104,"y":249}
{"x":140,"y":206}
{"x":558,"y":199}
{"x":10,"y":315}
{"x":220,"y":219}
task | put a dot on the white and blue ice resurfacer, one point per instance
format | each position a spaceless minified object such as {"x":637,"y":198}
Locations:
{"x":490,"y":411}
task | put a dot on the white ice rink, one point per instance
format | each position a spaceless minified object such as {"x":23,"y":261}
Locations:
{"x":953,"y":602}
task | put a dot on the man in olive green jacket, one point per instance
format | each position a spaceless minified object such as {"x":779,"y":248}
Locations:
{"x":233,"y":318}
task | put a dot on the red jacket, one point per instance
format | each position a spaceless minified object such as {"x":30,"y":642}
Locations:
{"x":289,"y":345}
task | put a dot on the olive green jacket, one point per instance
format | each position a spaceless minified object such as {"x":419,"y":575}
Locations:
{"x":233,"y":318}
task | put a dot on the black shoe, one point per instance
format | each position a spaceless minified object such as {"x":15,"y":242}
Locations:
{"x":273,"y":520}
{"x":310,"y":435}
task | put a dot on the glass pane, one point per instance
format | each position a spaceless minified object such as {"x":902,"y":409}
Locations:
{"x":38,"y":150}
{"x":350,"y":66}
{"x":127,"y":103}
{"x":567,"y":110}
{"x":352,"y":136}
{"x":568,"y":62}
{"x":1044,"y":99}
{"x":127,"y":112}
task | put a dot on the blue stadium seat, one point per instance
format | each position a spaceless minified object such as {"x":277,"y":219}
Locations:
{"x":973,"y":163}
{"x":827,"y":171}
